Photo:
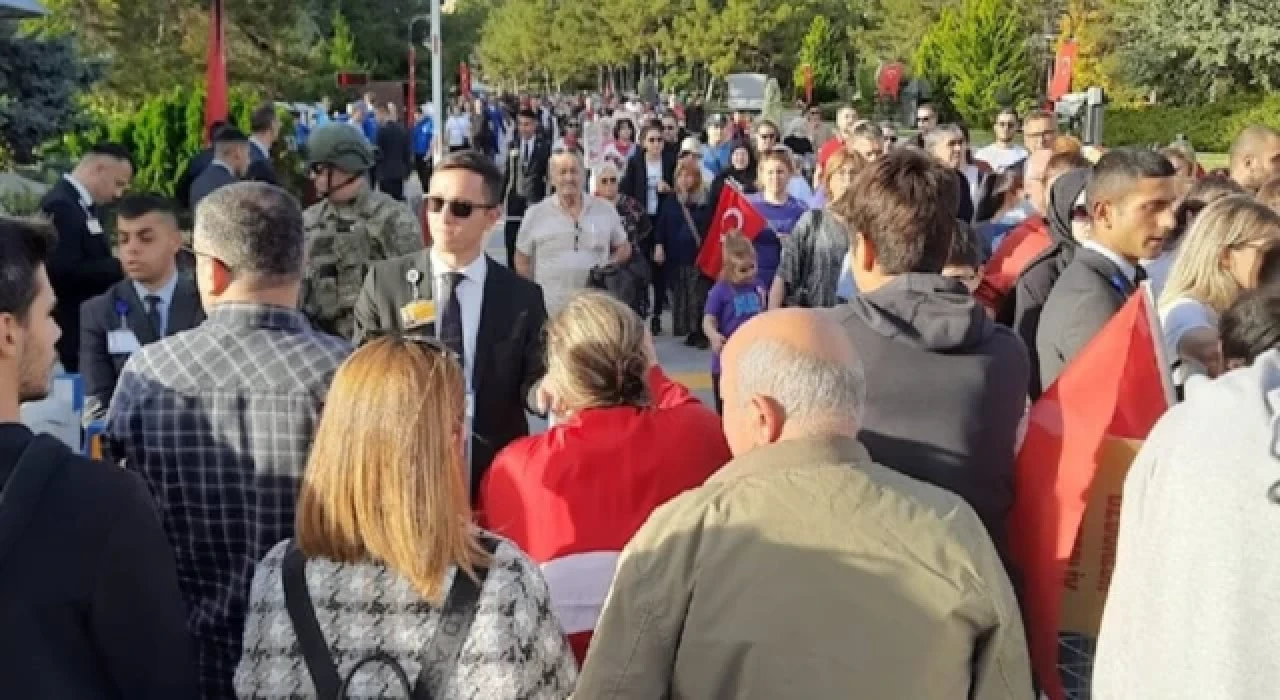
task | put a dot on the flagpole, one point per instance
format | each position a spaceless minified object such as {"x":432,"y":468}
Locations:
{"x":437,"y":83}
{"x":215,"y":107}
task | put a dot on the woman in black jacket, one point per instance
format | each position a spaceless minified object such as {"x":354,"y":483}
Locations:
{"x":649,"y":178}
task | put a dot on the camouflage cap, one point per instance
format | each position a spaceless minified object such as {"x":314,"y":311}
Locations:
{"x":342,"y":146}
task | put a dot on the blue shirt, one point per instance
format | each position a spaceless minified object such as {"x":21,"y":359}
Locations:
{"x":423,"y":132}
{"x":370,"y":128}
{"x":166,"y":301}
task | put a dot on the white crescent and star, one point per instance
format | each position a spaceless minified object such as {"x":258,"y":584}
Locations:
{"x":732,"y":213}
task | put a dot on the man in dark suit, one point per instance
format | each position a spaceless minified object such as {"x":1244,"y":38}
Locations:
{"x":265,"y":125}
{"x":394,"y":153}
{"x":486,"y":314}
{"x":81,"y":265}
{"x":526,"y":176}
{"x":1131,"y":201}
{"x":230,"y":164}
{"x":195,"y":166}
{"x":153,"y":301}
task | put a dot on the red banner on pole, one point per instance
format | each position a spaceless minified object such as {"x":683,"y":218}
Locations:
{"x":808,"y":84}
{"x":464,"y":79}
{"x":1063,"y":66}
{"x":889,"y":80}
{"x":215,"y":105}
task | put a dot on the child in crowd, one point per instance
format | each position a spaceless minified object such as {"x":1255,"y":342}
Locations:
{"x":964,"y":261}
{"x":738,"y":296}
{"x":1250,"y":327}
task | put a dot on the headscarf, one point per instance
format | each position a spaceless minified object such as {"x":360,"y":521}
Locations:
{"x":1062,"y":199}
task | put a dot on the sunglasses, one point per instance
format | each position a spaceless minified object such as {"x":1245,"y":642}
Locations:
{"x":459,"y":208}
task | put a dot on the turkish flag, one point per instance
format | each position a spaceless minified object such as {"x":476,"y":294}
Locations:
{"x":1109,"y":396}
{"x":215,"y":105}
{"x":1063,"y":66}
{"x":733,"y":211}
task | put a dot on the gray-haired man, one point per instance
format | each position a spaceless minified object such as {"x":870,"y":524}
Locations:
{"x":803,"y":568}
{"x":219,"y":419}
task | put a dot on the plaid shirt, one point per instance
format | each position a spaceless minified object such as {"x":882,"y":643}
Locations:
{"x":219,"y":421}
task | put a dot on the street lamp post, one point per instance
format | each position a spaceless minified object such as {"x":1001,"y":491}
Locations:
{"x":437,"y":76}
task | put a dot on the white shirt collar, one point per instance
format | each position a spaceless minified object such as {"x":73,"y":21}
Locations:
{"x":262,"y":147}
{"x":85,"y":198}
{"x":475,"y":271}
{"x":1125,"y":266}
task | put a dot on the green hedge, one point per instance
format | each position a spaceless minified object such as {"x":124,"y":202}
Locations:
{"x":165,"y":132}
{"x":1209,"y":127}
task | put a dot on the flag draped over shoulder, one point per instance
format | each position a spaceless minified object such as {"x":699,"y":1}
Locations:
{"x":733,"y":211}
{"x":215,"y":106}
{"x":1081,"y":436}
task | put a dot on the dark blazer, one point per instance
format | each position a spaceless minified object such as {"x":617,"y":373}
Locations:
{"x":198,"y":163}
{"x":212,"y":178}
{"x":81,"y":266}
{"x":526,"y":186}
{"x":509,"y":344}
{"x":635,"y":181}
{"x":260,"y":167}
{"x":394,"y":152}
{"x":101,"y":369}
{"x":1090,"y":291}
{"x":88,"y":587}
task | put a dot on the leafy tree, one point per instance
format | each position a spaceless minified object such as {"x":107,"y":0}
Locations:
{"x":1192,"y":49}
{"x":342,"y":47}
{"x":823,"y":50}
{"x":1091,"y":24}
{"x":41,"y":80}
{"x":894,"y":28}
{"x":977,"y":54}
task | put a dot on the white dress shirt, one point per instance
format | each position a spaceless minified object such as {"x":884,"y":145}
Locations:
{"x":1125,"y":266}
{"x":165,"y":307}
{"x":470,"y":299}
{"x":86,"y":199}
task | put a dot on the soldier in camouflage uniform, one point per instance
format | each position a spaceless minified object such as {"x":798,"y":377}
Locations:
{"x":350,"y":227}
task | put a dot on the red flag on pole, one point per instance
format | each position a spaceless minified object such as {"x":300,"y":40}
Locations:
{"x":733,"y":211}
{"x":215,"y":105}
{"x":1081,"y":436}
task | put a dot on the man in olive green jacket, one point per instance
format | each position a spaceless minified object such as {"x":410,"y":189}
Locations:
{"x":803,"y":569}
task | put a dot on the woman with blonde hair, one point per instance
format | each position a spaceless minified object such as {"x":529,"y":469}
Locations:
{"x":627,"y":440}
{"x":680,"y":227}
{"x":1216,"y":261}
{"x":386,"y":579}
{"x":814,"y":255}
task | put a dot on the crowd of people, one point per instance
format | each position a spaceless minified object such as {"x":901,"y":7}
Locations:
{"x":318,"y":478}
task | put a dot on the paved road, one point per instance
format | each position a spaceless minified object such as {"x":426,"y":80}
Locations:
{"x":689,"y":366}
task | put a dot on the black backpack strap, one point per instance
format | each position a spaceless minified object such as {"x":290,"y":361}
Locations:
{"x":297,"y":600}
{"x":441,"y":657}
{"x":20,"y":496}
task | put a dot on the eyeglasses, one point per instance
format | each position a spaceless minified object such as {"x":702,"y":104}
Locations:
{"x":1008,"y":125}
{"x":608,"y":180}
{"x":459,"y":208}
{"x":200,"y":254}
{"x":1038,"y":134}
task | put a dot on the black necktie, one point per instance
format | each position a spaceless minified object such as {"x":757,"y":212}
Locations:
{"x":153,"y":314}
{"x":451,"y":319}
{"x":1139,"y":275}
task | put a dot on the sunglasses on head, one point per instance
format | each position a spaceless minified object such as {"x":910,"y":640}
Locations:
{"x":459,"y":208}
{"x":410,"y":336}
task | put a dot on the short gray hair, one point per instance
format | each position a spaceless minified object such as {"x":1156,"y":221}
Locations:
{"x":253,"y":228}
{"x":808,"y":388}
{"x":940,"y":133}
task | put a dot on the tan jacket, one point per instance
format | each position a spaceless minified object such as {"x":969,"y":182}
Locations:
{"x":806,"y":571}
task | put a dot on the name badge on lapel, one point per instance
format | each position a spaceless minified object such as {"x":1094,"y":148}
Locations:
{"x":417,"y":314}
{"x":94,"y":226}
{"x":122,"y":342}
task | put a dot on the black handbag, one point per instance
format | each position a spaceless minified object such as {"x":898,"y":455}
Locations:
{"x":438,"y":660}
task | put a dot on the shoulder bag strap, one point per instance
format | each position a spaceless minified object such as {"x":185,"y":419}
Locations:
{"x":20,"y":497}
{"x":693,"y":228}
{"x":297,"y":600}
{"x":441,"y":657}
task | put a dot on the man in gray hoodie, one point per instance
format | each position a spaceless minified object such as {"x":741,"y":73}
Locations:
{"x":946,"y":385}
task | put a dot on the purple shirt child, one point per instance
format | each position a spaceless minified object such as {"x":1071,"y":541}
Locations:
{"x":732,"y":305}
